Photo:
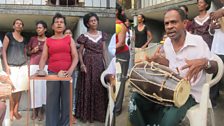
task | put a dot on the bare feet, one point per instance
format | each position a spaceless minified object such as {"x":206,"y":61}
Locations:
{"x":33,"y":116}
{"x":40,"y":115}
{"x":74,"y":121}
{"x":17,"y":115}
{"x":11,"y":115}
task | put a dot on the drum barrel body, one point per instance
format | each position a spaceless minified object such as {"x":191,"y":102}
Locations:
{"x":156,"y":84}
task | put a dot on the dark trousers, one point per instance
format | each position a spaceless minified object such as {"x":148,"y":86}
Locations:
{"x":214,"y":90}
{"x":57,"y":107}
{"x":123,"y":59}
{"x":143,"y":112}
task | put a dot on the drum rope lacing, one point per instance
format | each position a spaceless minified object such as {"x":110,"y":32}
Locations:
{"x":154,"y":67}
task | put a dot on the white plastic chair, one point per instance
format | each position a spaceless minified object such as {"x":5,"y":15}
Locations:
{"x":197,"y":114}
{"x":111,"y":103}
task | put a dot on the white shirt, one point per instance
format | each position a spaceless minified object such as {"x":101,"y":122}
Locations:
{"x":128,"y":36}
{"x":218,"y":42}
{"x":194,"y":48}
{"x":0,"y":43}
{"x":112,"y":67}
{"x":112,"y":45}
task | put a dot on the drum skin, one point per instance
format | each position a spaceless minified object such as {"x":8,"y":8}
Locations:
{"x":159,"y":84}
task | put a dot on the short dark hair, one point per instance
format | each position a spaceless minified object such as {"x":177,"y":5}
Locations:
{"x":180,"y":12}
{"x":87,"y":17}
{"x":208,"y":2}
{"x":67,"y":29}
{"x":17,"y":20}
{"x":42,"y":22}
{"x":58,"y":15}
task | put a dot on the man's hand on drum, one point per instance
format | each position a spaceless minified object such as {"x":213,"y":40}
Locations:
{"x":159,"y":57}
{"x":195,"y":66}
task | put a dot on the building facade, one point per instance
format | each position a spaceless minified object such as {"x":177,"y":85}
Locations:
{"x":30,"y":11}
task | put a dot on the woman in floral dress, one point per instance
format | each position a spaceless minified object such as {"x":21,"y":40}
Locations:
{"x":91,"y":95}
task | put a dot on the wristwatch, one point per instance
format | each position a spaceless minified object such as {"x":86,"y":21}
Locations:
{"x":208,"y":65}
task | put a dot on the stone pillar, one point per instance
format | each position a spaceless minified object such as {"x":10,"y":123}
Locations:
{"x":79,"y":29}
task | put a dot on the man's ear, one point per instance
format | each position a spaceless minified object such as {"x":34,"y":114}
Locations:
{"x":185,"y":22}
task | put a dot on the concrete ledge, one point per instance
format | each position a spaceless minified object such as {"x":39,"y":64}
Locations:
{"x":160,"y":7}
{"x":51,"y":10}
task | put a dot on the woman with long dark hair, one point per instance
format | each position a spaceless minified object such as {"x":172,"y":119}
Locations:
{"x":122,"y":55}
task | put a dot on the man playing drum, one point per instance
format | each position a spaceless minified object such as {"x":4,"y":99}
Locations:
{"x":184,"y":53}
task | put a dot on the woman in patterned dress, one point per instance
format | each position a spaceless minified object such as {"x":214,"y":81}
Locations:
{"x":91,"y":95}
{"x":200,"y":24}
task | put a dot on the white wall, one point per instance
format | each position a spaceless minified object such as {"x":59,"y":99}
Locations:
{"x":147,"y":3}
{"x":99,"y":3}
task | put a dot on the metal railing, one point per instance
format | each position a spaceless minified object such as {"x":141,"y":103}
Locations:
{"x":85,"y":3}
{"x":27,"y":2}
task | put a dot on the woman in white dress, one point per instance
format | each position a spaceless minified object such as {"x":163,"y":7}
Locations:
{"x":37,"y":87}
{"x":14,"y":58}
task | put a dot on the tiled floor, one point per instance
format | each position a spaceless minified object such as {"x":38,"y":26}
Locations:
{"x":121,"y":120}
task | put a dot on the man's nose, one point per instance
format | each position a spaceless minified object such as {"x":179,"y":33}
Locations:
{"x":170,"y":26}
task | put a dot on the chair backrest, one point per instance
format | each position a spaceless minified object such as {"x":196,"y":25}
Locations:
{"x":212,"y":81}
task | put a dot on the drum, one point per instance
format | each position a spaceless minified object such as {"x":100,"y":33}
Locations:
{"x":159,"y":84}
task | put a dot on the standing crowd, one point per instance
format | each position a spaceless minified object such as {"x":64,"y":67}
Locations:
{"x":83,"y":60}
